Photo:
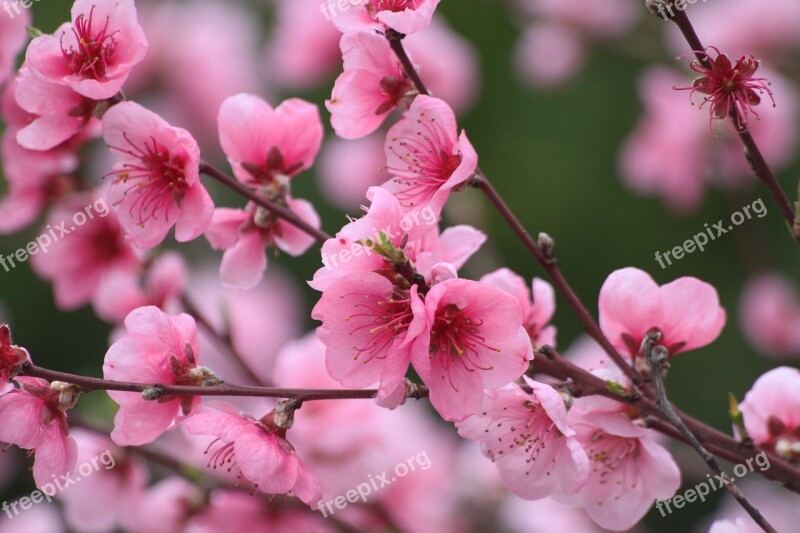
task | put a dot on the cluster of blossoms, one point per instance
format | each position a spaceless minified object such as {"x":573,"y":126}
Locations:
{"x":395,"y":313}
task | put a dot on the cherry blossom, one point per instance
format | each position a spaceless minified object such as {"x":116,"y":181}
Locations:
{"x":473,"y":339}
{"x":94,"y":54}
{"x":769,"y":313}
{"x":628,"y":469}
{"x":156,"y":348}
{"x":527,"y":436}
{"x":33,"y":417}
{"x":372,"y":85}
{"x":268,"y":146}
{"x":686,"y":312}
{"x":403,"y":16}
{"x":245,"y":234}
{"x":536,"y":312}
{"x":12,"y":40}
{"x":771,"y":410}
{"x":427,"y":157}
{"x":258,"y":449}
{"x":156,"y":183}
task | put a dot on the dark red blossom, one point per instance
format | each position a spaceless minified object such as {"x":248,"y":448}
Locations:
{"x":731,"y":89}
{"x":11,"y":357}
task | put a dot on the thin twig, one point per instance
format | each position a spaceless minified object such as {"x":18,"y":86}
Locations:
{"x":279,"y":211}
{"x":658,"y":357}
{"x":162,"y":390}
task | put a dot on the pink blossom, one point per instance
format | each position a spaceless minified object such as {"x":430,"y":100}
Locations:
{"x":12,"y":38}
{"x":33,"y":417}
{"x":536,"y":313}
{"x":78,"y":261}
{"x":372,"y":85}
{"x":769,"y":311}
{"x":160,"y":349}
{"x":686,"y":311}
{"x":57,"y":113}
{"x":245,"y":234}
{"x":266,"y":146}
{"x":776,"y":504}
{"x":403,"y":16}
{"x":11,"y":359}
{"x":427,"y":157}
{"x":473,"y":339}
{"x":258,"y":449}
{"x":37,"y":519}
{"x":629,"y":469}
{"x":352,"y":250}
{"x":122,"y":291}
{"x":108,"y":496}
{"x":730,"y":526}
{"x":771,"y":410}
{"x":157,"y":183}
{"x":527,"y":436}
{"x":453,"y":247}
{"x":368,"y":326}
{"x":94,"y":54}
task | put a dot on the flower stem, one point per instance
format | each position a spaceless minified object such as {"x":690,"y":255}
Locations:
{"x":279,"y":211}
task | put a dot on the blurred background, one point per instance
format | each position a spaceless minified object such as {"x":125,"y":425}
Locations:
{"x":570,"y":107}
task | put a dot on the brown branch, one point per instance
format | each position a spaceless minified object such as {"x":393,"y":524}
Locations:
{"x":279,"y":211}
{"x":89,"y":384}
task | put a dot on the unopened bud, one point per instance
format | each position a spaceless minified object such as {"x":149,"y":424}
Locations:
{"x":67,"y":394}
{"x":547,"y":245}
{"x":284,"y":413}
{"x":204,"y":377}
{"x":153,"y":393}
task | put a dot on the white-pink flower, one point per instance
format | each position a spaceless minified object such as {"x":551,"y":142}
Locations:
{"x":258,"y":449}
{"x":427,"y":157}
{"x":33,"y":417}
{"x":629,"y":469}
{"x":527,"y":436}
{"x":686,"y":311}
{"x":769,"y":312}
{"x":403,"y":16}
{"x":536,"y":312}
{"x":267,"y":146}
{"x":771,"y":410}
{"x":160,"y":349}
{"x":156,"y":183}
{"x":93,"y":54}
{"x":473,"y":339}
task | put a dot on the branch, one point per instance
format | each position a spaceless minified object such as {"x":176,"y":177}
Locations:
{"x":279,"y":211}
{"x":584,"y":383}
{"x":89,"y":384}
{"x":658,"y":357}
{"x":752,"y":153}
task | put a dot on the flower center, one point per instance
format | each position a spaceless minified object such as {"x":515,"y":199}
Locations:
{"x":608,"y":454}
{"x":157,"y":178}
{"x":385,"y":320}
{"x":91,"y":55}
{"x":427,"y":162}
{"x":526,"y":427}
{"x":456,"y":339}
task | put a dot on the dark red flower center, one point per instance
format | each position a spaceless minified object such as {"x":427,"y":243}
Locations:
{"x":91,"y":56}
